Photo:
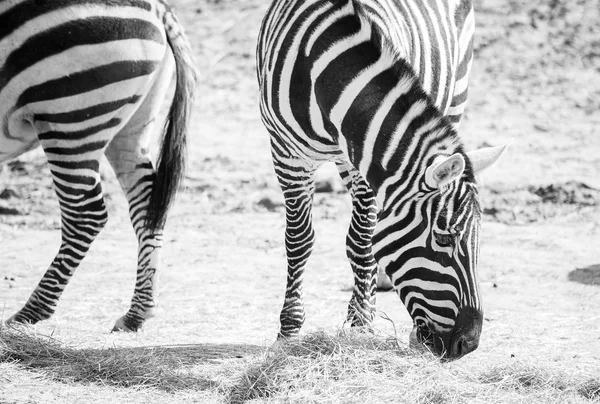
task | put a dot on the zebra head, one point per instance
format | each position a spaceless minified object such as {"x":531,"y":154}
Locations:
{"x":427,"y":241}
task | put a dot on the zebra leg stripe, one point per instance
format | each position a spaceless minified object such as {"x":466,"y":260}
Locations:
{"x":83,"y":216}
{"x":361,"y":308}
{"x":297,"y":183}
{"x":128,"y":154}
{"x":137,"y":185}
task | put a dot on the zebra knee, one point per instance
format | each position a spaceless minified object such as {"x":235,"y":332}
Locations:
{"x":89,"y":221}
{"x":92,"y":222}
{"x":358,"y":241}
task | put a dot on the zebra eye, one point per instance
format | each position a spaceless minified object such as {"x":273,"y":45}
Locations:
{"x":444,"y":240}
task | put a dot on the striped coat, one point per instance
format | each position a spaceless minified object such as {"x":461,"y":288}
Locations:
{"x":379,"y":88}
{"x":83,"y":79}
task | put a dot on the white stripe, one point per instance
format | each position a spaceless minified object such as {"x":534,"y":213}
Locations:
{"x":436,"y":318}
{"x":437,"y":303}
{"x":414,"y":111}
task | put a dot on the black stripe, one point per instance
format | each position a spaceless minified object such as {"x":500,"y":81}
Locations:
{"x":444,"y":312}
{"x":340,"y":29}
{"x":334,"y":79}
{"x":424,"y":143}
{"x":87,"y":31}
{"x":363,"y":109}
{"x":377,"y":173}
{"x":286,"y":43}
{"x":74,"y":178}
{"x":31,"y":9}
{"x":76,"y":151}
{"x":422,"y":43}
{"x":434,"y":60}
{"x":282,"y":23}
{"x":427,"y":275}
{"x":448,"y":47}
{"x":461,"y":70}
{"x":80,"y":134}
{"x":77,"y":165}
{"x":85,"y":81}
{"x":73,"y":196}
{"x":460,"y":98}
{"x":428,"y":294}
{"x":84,"y":114}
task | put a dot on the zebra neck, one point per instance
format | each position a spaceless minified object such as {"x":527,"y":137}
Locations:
{"x":368,"y":99}
{"x":392,"y":131}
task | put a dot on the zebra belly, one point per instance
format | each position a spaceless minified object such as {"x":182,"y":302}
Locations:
{"x":21,"y":141}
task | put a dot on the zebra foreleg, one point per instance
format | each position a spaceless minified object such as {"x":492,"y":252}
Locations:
{"x":358,"y":249}
{"x":129,"y":156}
{"x":346,"y":173}
{"x":83,"y":214}
{"x":297,"y":183}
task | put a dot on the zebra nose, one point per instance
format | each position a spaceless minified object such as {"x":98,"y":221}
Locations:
{"x":468,"y":330}
{"x":462,"y":345}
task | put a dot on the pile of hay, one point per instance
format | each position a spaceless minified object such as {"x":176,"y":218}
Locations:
{"x":351,"y":367}
{"x":343,"y":367}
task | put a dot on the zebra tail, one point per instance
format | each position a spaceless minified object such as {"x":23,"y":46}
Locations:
{"x":172,"y":158}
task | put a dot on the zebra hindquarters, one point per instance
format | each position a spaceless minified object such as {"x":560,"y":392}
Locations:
{"x":75,"y":117}
{"x":296,"y":179}
{"x":361,"y":308}
{"x":129,"y":156}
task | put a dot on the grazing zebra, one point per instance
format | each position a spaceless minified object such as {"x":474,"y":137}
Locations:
{"x":86,"y":78}
{"x":378,"y":87}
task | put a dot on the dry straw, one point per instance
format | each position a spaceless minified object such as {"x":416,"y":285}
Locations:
{"x":109,"y":366}
{"x":343,"y":367}
{"x":354,"y":367}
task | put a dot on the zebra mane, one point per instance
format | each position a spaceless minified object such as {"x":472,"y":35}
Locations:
{"x":379,"y":37}
{"x":402,"y":68}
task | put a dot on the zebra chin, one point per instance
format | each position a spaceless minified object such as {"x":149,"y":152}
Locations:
{"x":452,"y":345}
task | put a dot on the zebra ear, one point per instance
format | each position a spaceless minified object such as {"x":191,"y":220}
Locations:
{"x":445,"y":170}
{"x":486,"y":157}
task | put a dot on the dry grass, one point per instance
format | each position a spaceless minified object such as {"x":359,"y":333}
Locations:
{"x":155,"y":367}
{"x":352,"y":367}
{"x":346,"y":367}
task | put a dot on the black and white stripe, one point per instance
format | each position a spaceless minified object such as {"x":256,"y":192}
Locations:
{"x":379,"y":88}
{"x":85,"y":78}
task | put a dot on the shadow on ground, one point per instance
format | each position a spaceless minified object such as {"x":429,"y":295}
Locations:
{"x":169,"y":368}
{"x":589,"y":275}
{"x":191,"y":354}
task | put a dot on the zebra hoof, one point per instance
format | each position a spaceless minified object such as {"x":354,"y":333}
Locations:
{"x":17,"y":320}
{"x":281,"y":341}
{"x":124,"y":325}
{"x":11,"y":321}
{"x":362,"y":328}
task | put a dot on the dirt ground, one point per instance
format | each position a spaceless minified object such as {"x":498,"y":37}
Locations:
{"x":536,"y":80}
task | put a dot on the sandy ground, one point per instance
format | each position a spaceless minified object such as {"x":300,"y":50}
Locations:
{"x":536,"y":80}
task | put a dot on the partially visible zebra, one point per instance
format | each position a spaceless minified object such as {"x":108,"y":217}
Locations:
{"x":379,"y":88}
{"x":86,"y":78}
